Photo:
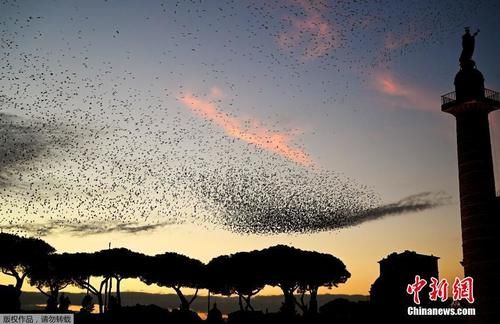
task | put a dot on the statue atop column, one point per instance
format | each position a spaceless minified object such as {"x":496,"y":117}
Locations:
{"x":469,"y":81}
{"x":468,"y":44}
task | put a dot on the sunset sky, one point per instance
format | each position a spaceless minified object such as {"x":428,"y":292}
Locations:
{"x":119,"y":96}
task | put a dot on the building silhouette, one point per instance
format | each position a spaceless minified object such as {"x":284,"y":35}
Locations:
{"x":388,"y":292}
{"x":471,"y":103}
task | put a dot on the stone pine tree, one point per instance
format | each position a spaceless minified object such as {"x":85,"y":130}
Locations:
{"x":296,"y":271}
{"x":235,"y":274}
{"x":50,"y":275}
{"x":18,"y":254}
{"x":175,"y":271}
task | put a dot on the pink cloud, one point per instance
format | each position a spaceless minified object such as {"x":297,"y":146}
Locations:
{"x":405,"y":95}
{"x":216,"y":92}
{"x":314,"y":35}
{"x":387,"y":85}
{"x":255,"y":133}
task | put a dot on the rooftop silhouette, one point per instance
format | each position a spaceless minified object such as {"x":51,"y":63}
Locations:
{"x":397,"y":270}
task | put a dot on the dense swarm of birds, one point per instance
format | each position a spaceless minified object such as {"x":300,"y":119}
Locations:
{"x":91,"y":145}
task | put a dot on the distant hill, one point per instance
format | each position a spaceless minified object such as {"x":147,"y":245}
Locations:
{"x":30,"y":300}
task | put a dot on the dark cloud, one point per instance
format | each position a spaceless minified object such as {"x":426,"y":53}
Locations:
{"x":82,"y":229}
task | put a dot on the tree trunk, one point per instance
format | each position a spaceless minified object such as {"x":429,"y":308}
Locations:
{"x":85,"y":284}
{"x":99,"y":296}
{"x":19,"y":279}
{"x":55,"y":295}
{"x":302,"y":305}
{"x":289,"y":305}
{"x":184,"y":301}
{"x":240,"y":302}
{"x":110,"y":287}
{"x":194,"y":296}
{"x":105,"y":294}
{"x":313,"y":301}
{"x":118,"y":294}
{"x":99,"y":299}
{"x":208,"y":301}
{"x":19,"y":283}
{"x":51,"y":304}
{"x":247,"y":301}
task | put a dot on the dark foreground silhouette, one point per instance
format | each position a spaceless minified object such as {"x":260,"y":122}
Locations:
{"x":298,"y":273}
{"x":243,"y":274}
{"x":336,"y":311}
